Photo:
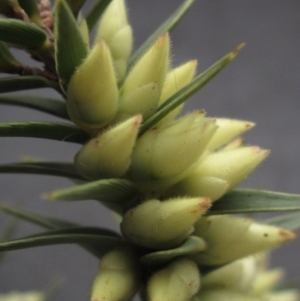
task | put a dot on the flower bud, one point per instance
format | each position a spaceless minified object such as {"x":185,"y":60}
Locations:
{"x":117,"y":33}
{"x":234,"y":144}
{"x":238,"y":275}
{"x":219,"y":172}
{"x":163,"y":224}
{"x":92,"y":95}
{"x":23,"y":296}
{"x":230,"y":238}
{"x":163,"y":153}
{"x":109,"y":154}
{"x":84,"y":30}
{"x":178,"y":281}
{"x":224,"y":295}
{"x":118,"y":278}
{"x":176,"y":79}
{"x":227,"y":130}
{"x":266,"y":281}
{"x":148,"y":74}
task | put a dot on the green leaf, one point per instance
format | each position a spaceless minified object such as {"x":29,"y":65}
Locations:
{"x":44,"y":168}
{"x":18,"y":83}
{"x":70,"y":49}
{"x":32,"y":10}
{"x":76,"y":5}
{"x":168,"y":25}
{"x":49,"y":223}
{"x":7,"y":232}
{"x":288,"y":221}
{"x":192,"y":245}
{"x":48,"y":130}
{"x":95,"y":12}
{"x":37,"y":219}
{"x":8,"y":63}
{"x":185,"y":93}
{"x":117,"y":194}
{"x":23,"y":34}
{"x":44,"y":104}
{"x":101,"y":239}
{"x":255,"y":201}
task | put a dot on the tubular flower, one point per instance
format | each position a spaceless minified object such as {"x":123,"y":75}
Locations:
{"x":169,"y":179}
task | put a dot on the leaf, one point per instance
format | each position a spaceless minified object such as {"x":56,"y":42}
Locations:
{"x":101,"y":239}
{"x":70,"y":49}
{"x":95,"y":12}
{"x":254,"y":201}
{"x":44,"y":104}
{"x":22,"y":33}
{"x":49,"y":223}
{"x":18,"y":83}
{"x":192,"y":245}
{"x":288,"y":221}
{"x":8,"y":63}
{"x":44,"y":168}
{"x":76,"y":5}
{"x":48,"y":130}
{"x":32,"y":10}
{"x":7,"y":232}
{"x":168,"y":25}
{"x":37,"y":219}
{"x":183,"y":94}
{"x":114,"y":193}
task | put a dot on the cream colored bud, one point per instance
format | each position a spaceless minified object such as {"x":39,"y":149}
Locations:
{"x":117,"y":33}
{"x":84,"y":30}
{"x":238,"y":275}
{"x":163,"y":224}
{"x":118,"y":278}
{"x":266,"y":280}
{"x":224,"y":295}
{"x":109,"y":154}
{"x":92,"y":96}
{"x":227,"y":130}
{"x":284,"y":295}
{"x":230,"y":238}
{"x":234,"y":144}
{"x":148,"y":73}
{"x":221,"y":171}
{"x":178,"y":281}
{"x":164,"y":153}
{"x":176,"y":79}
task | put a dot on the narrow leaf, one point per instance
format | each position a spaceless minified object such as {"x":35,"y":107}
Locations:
{"x":44,"y":104}
{"x":192,"y":245}
{"x":70,"y":49}
{"x":18,"y":83}
{"x":88,"y":236}
{"x":254,"y":201}
{"x":37,"y":219}
{"x":76,"y":5}
{"x":288,"y":221}
{"x":7,"y":232}
{"x":43,"y":168}
{"x":48,"y":130}
{"x":8,"y":63}
{"x":168,"y":25}
{"x":117,"y":193}
{"x":22,"y":33}
{"x":183,"y":94}
{"x":95,"y":12}
{"x":47,"y":222}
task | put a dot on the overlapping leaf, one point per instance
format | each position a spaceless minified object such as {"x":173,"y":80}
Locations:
{"x":168,"y":25}
{"x":43,"y":168}
{"x":287,"y":221}
{"x":254,"y":201}
{"x":44,"y":104}
{"x":48,"y":130}
{"x":18,"y":83}
{"x":192,"y":245}
{"x":183,"y":94}
{"x":117,"y":194}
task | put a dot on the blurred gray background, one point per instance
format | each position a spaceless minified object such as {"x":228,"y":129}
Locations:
{"x":261,"y":85}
